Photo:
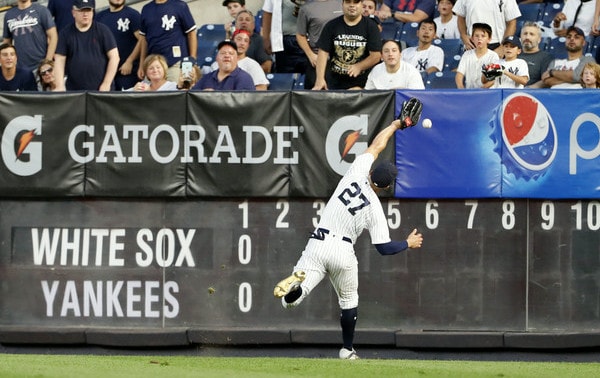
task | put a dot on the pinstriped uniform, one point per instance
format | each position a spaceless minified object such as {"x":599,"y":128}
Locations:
{"x":353,"y":207}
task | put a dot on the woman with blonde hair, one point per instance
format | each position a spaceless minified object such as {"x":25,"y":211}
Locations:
{"x":590,"y":76}
{"x":45,"y":74}
{"x":155,"y":71}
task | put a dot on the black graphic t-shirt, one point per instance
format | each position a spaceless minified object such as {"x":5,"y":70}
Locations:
{"x":348,"y":45}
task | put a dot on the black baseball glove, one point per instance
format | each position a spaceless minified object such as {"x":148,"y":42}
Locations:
{"x":410,"y":113}
{"x":492,"y":71}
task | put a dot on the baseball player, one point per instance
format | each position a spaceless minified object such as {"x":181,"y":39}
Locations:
{"x":353,"y":207}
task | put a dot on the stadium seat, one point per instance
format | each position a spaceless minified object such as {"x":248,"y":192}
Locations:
{"x":408,"y":34}
{"x":531,"y":12}
{"x":282,"y":81}
{"x":211,"y":32}
{"x":592,"y":46}
{"x":550,"y":10}
{"x":453,"y":49}
{"x":556,"y":47}
{"x":441,"y":80}
{"x":258,"y":21}
{"x":206,"y":53}
{"x":390,"y":30}
{"x":299,"y":83}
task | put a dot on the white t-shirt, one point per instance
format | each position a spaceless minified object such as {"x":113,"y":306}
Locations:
{"x":470,"y":66}
{"x":407,"y":77}
{"x":495,"y":13}
{"x":422,"y":60}
{"x":585,"y":18}
{"x":449,"y":30}
{"x":518,"y":67}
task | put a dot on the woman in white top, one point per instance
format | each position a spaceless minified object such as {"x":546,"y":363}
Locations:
{"x":392,"y":73}
{"x":155,"y":71}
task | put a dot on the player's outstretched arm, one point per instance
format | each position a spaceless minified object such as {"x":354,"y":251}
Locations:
{"x":380,"y":141}
{"x":409,"y":116}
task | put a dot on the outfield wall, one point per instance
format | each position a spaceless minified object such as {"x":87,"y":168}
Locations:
{"x":166,"y":219}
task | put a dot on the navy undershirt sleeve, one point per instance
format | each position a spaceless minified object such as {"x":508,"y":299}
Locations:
{"x":392,"y":247}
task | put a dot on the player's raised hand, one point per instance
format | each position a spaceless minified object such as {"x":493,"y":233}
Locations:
{"x":415,"y":239}
{"x":410,"y":113}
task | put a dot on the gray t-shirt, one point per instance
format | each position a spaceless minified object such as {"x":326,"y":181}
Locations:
{"x":313,"y":16}
{"x":27,"y":29}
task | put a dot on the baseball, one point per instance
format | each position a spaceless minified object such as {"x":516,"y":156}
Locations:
{"x":427,"y":123}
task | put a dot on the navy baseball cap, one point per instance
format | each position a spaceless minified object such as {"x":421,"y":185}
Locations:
{"x":84,"y":4}
{"x":576,"y":30}
{"x":513,"y":40}
{"x":384,"y":174}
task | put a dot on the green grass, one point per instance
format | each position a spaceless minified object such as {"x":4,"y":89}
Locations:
{"x":64,"y":366}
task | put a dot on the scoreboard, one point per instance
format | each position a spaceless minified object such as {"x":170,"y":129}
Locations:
{"x":485,"y":264}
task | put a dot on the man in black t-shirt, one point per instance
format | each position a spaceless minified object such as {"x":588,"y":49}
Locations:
{"x":349,"y":46}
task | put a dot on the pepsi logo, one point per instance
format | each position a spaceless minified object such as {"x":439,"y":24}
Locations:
{"x":529,"y":136}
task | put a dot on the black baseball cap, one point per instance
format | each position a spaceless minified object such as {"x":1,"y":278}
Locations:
{"x":384,"y":174}
{"x":227,"y":42}
{"x":84,"y":4}
{"x":242,"y":2}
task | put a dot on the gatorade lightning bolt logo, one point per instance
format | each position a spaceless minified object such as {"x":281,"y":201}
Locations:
{"x":349,"y":142}
{"x":529,"y":137}
{"x":24,"y":141}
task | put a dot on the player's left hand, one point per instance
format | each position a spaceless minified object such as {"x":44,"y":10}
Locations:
{"x":415,"y":239}
{"x":410,"y":113}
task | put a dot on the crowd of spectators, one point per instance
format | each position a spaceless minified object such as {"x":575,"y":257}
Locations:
{"x":326,"y":44}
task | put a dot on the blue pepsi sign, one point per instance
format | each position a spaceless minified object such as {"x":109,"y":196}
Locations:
{"x":501,"y":143}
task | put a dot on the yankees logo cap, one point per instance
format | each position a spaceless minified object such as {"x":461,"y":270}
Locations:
{"x":384,"y":174}
{"x":84,"y":4}
{"x":576,"y":30}
{"x":513,"y":40}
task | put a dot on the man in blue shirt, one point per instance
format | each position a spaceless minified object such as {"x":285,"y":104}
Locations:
{"x":13,"y":78}
{"x":229,"y":76}
{"x":168,"y":28}
{"x":87,"y":53}
{"x":124,"y":22}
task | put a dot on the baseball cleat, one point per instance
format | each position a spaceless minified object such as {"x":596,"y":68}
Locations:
{"x":289,"y":284}
{"x":346,"y":354}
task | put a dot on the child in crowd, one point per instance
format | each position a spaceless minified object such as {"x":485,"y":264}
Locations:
{"x":516,"y":71}
{"x":233,"y":7}
{"x":468,"y":73}
{"x":447,"y":24}
{"x":590,"y":77}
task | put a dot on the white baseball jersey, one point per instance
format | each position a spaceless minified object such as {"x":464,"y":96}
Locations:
{"x":422,"y":60}
{"x":353,"y":207}
{"x":495,"y":13}
{"x":518,"y":67}
{"x":470,"y":66}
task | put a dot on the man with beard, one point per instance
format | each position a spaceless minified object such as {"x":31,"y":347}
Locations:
{"x":537,"y":60}
{"x":124,"y":23}
{"x":393,"y":73}
{"x":566,"y":73}
{"x":349,"y":46}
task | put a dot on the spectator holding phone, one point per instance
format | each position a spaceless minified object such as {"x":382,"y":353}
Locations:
{"x":155,"y":72}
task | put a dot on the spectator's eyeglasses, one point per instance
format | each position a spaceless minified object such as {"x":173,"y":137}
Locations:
{"x":47,"y":71}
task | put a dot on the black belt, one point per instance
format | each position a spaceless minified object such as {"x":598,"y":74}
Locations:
{"x":320,"y":233}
